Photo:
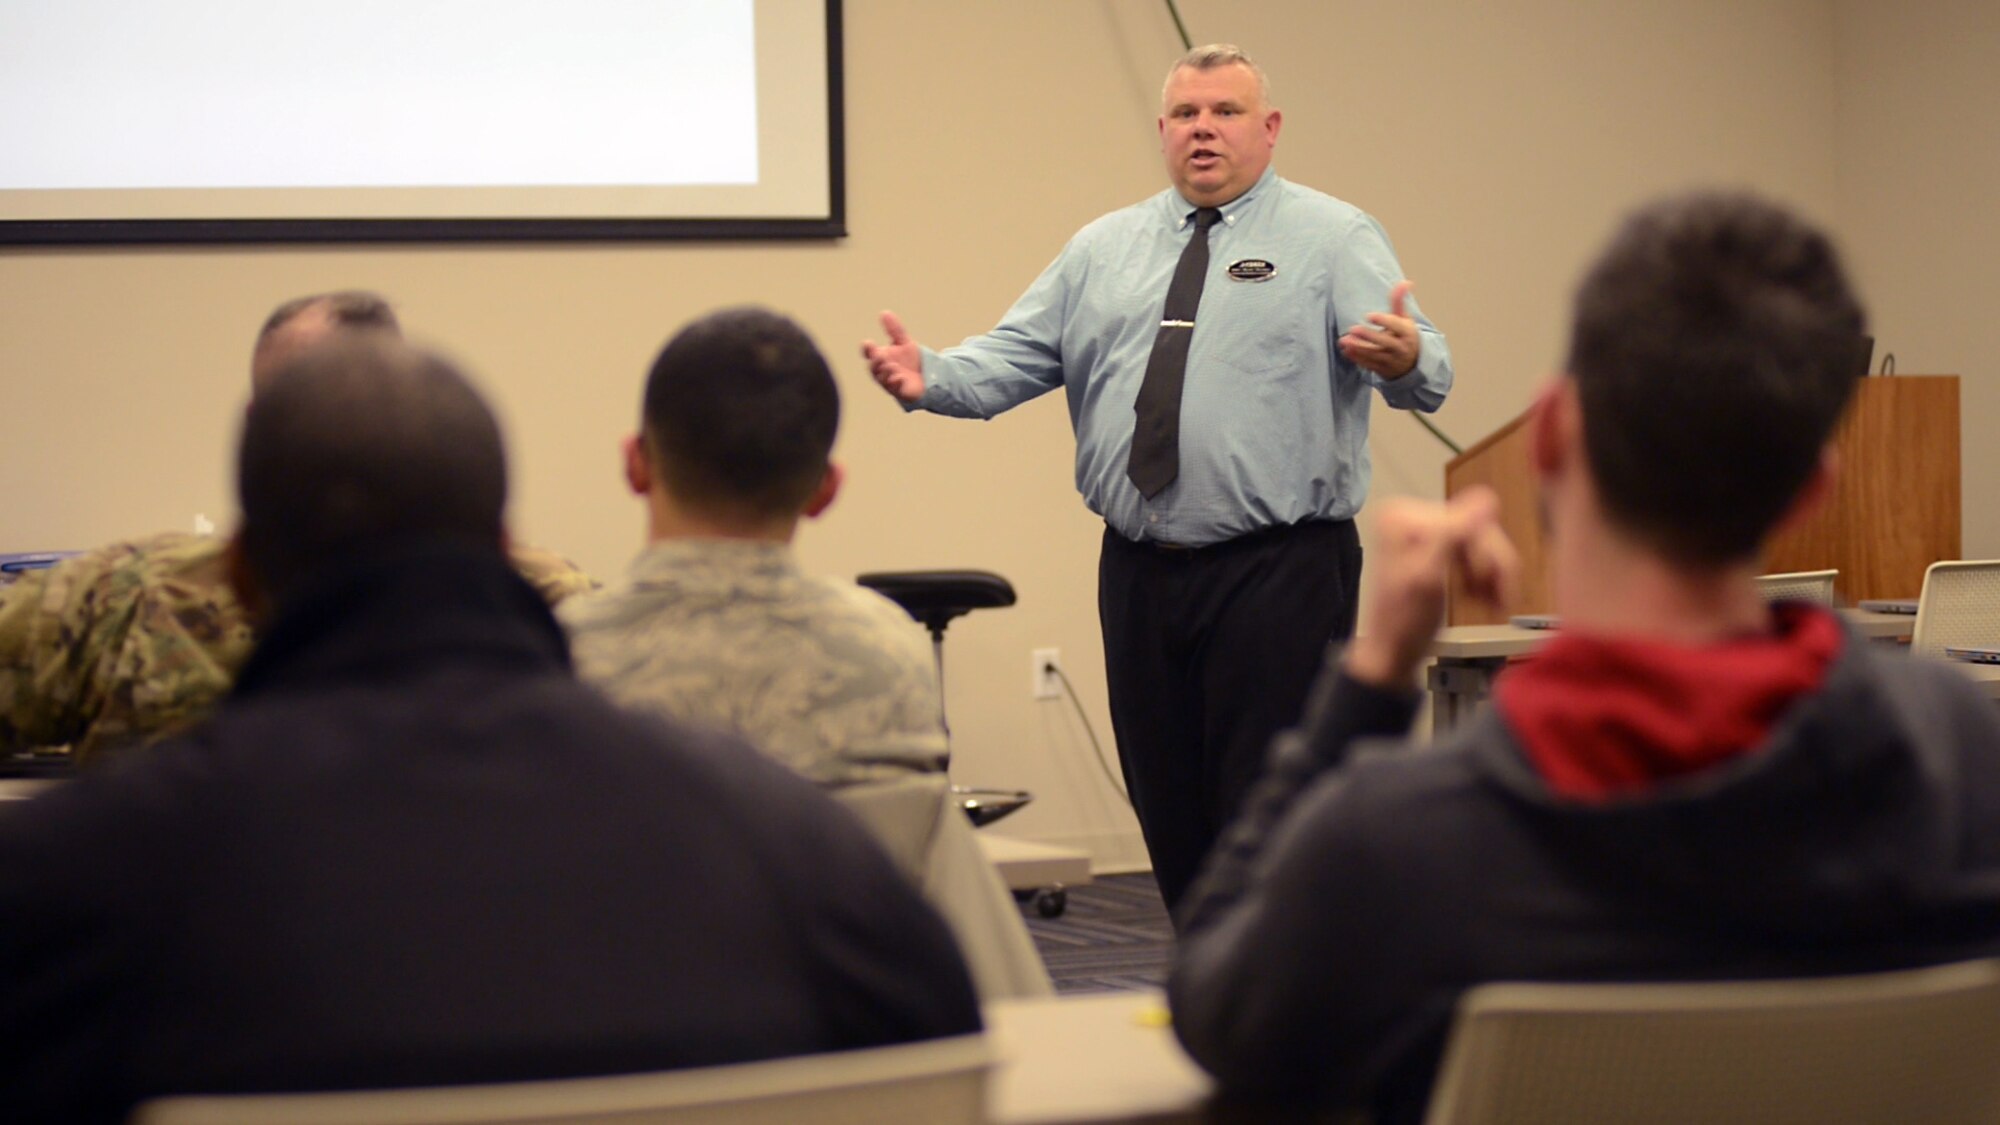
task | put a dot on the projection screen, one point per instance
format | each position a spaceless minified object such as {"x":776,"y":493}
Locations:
{"x":419,"y":120}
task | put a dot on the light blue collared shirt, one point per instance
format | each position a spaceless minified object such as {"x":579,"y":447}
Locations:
{"x":1274,"y":420}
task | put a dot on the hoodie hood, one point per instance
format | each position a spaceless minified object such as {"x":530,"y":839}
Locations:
{"x":1841,"y":819}
{"x":1606,"y":716}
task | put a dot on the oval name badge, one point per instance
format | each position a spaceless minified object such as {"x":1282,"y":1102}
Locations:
{"x":1252,"y":269}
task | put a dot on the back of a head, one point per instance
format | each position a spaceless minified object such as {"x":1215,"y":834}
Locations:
{"x":303,"y":322}
{"x":361,"y":442}
{"x":1713,"y":353}
{"x":740,"y":414}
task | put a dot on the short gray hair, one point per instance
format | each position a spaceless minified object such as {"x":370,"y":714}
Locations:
{"x":1219,"y":55}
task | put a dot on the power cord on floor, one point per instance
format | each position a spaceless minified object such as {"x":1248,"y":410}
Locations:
{"x":1096,"y":747}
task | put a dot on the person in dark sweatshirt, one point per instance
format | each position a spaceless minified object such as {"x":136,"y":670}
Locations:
{"x":1686,"y":784}
{"x":410,"y":848}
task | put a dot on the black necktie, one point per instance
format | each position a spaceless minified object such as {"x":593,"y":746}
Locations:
{"x":1156,"y":433}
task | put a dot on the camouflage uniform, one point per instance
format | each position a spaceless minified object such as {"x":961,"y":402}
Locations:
{"x":824,"y":675}
{"x":832,"y":679}
{"x":132,"y":642}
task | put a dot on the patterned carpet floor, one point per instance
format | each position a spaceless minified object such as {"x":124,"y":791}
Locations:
{"x":1114,"y":936}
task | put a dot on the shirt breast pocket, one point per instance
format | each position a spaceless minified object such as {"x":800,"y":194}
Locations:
{"x":1257,"y":318}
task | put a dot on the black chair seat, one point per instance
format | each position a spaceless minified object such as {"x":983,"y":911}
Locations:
{"x":934,"y":597}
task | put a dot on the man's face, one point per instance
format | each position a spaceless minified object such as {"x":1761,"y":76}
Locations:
{"x":1216,"y":132}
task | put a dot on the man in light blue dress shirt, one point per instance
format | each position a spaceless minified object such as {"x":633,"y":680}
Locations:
{"x":1219,"y":593}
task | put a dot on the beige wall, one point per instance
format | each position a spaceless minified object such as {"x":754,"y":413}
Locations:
{"x":1919,"y":203}
{"x":1496,"y":141}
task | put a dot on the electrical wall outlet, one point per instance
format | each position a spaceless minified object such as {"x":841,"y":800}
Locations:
{"x":1043,"y":682}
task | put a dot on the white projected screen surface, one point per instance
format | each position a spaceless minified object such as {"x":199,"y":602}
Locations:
{"x":217,"y":109}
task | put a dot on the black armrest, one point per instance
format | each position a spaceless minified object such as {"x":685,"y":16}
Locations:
{"x":934,"y":597}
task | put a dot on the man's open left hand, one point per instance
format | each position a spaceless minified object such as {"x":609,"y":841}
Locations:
{"x":897,"y":365}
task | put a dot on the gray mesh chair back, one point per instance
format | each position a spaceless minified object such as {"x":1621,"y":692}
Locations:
{"x":940,"y":1080}
{"x":1960,"y":605}
{"x":1799,"y":586}
{"x":1907,"y":1046}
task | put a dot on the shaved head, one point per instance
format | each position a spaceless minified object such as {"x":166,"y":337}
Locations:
{"x":740,"y":414}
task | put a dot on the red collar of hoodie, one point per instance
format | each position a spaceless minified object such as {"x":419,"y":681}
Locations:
{"x":1607,"y":717}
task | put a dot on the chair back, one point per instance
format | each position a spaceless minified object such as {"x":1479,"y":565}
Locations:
{"x":916,"y":821}
{"x":939,"y":1080}
{"x":1959,"y":605}
{"x":902,"y":813}
{"x":1911,"y":1045}
{"x":1799,"y":586}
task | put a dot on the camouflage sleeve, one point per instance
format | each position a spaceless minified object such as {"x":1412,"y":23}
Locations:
{"x":44,"y":670}
{"x":184,"y":638}
{"x":125,"y":644}
{"x":552,"y":576}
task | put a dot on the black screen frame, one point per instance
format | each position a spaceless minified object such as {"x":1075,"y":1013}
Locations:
{"x":137,"y":232}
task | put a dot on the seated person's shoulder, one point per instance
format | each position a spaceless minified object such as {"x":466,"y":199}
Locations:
{"x":1387,"y":781}
{"x":1935,"y":702}
{"x":179,"y":561}
{"x":769,"y":798}
{"x":554,"y":577}
{"x":800,"y":837}
{"x":121,"y":644}
{"x":881,"y":614}
{"x":99,"y":596}
{"x":867,"y":622}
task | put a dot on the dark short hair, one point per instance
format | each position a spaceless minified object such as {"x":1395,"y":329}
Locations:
{"x":347,"y":308}
{"x":359,"y":443}
{"x":740,"y":414}
{"x":1714,"y":348}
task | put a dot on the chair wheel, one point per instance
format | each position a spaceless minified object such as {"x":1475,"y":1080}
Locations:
{"x":1052,"y":902}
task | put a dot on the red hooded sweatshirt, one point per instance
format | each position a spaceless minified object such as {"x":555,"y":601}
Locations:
{"x":1604,"y":717}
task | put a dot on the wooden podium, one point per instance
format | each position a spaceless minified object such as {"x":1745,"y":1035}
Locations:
{"x":1894,"y":510}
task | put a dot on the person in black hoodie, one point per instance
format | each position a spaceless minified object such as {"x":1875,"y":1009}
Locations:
{"x":410,"y":848}
{"x":1685,"y":784}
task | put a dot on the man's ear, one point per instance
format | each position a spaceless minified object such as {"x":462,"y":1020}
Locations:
{"x":242,"y":578}
{"x":829,"y":487}
{"x":638,"y":470}
{"x":1555,"y":425}
{"x":1813,"y":495}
